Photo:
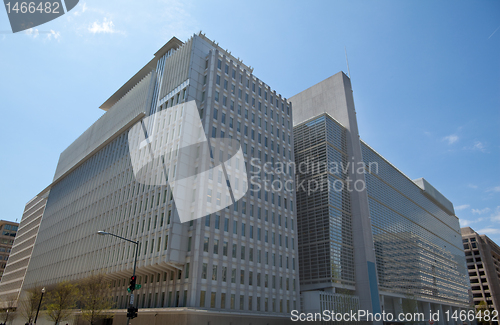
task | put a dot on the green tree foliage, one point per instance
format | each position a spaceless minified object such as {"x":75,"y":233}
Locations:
{"x":481,"y":308}
{"x":95,"y":298}
{"x":29,"y":302}
{"x":60,"y":302}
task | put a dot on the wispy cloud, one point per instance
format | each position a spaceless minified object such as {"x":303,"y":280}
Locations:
{"x":481,"y":211}
{"x":177,"y":19}
{"x":494,"y":189}
{"x":472,"y":186}
{"x":476,"y":146}
{"x":462,"y":207}
{"x":451,"y":139}
{"x":32,"y":32}
{"x":106,"y":27}
{"x":465,"y":223}
{"x":53,"y":34}
{"x":80,"y":9}
{"x":495,"y":217}
{"x":489,"y":231}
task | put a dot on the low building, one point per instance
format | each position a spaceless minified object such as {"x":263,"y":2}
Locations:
{"x":483,"y":264}
{"x":8,"y":232}
{"x":20,"y":253}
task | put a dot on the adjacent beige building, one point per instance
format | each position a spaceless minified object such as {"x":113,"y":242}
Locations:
{"x":20,"y":253}
{"x":483,"y":263}
{"x":8,"y":231}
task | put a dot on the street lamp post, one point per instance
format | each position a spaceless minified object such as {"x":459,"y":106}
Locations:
{"x":39,"y":304}
{"x":131,"y":303}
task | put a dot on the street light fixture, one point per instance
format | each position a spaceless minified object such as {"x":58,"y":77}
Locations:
{"x":39,"y":304}
{"x":131,"y":303}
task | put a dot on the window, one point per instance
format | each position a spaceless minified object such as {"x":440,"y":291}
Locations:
{"x":212,"y":300}
{"x":204,"y":271}
{"x":224,"y":248}
{"x":216,"y":246}
{"x":217,"y":221}
{"x":224,"y":273}
{"x":205,"y":244}
{"x":202,"y":298}
{"x":214,"y":272}
{"x":234,"y":250}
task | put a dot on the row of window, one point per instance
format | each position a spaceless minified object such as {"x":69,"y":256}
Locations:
{"x":10,"y":227}
{"x":279,"y":221}
{"x":225,"y":246}
{"x":280,"y":283}
{"x":245,"y":145}
{"x":257,"y":90}
{"x":265,"y":126}
{"x":217,"y":99}
{"x":274,"y":302}
{"x":286,"y":203}
{"x":270,"y":304}
{"x":275,"y":239}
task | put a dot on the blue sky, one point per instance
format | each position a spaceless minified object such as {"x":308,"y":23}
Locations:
{"x":425,"y":75}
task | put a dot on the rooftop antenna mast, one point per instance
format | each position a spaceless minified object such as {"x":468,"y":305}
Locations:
{"x":347,"y":61}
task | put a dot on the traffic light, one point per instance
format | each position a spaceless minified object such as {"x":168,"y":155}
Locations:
{"x":133,"y":278}
{"x":132,"y":312}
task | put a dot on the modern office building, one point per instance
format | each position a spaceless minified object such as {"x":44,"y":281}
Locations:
{"x":8,"y":232}
{"x":483,"y":264}
{"x":367,"y":233}
{"x":13,"y":276}
{"x":238,"y":263}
